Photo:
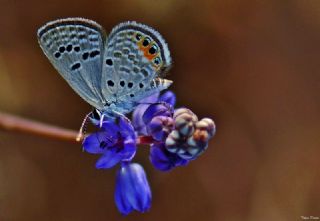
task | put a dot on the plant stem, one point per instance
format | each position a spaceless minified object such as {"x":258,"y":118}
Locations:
{"x":15,"y":123}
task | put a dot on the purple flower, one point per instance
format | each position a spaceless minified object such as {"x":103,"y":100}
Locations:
{"x":160,"y":127}
{"x":137,"y":114}
{"x":164,"y":160}
{"x":175,"y":136}
{"x":167,"y":99}
{"x":132,"y":189}
{"x":155,"y":110}
{"x":116,"y":142}
{"x":179,"y":136}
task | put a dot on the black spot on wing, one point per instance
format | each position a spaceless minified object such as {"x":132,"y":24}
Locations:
{"x":109,"y":62}
{"x":62,"y":49}
{"x":69,"y":48}
{"x":94,"y":53}
{"x":57,"y":54}
{"x":75,"y":66}
{"x":110,"y":83}
{"x":76,"y":48}
{"x":130,"y":85}
{"x":85,"y":55}
{"x":125,"y":69}
{"x":145,"y":72}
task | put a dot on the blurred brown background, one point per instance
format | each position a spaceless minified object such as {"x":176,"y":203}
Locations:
{"x":253,"y":66}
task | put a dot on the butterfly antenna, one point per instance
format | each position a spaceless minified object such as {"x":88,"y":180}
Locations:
{"x":83,"y":128}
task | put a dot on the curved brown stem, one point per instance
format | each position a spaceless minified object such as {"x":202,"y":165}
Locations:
{"x":14,"y":123}
{"x":19,"y":124}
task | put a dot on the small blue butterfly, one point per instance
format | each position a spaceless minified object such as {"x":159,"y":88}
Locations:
{"x":111,"y":73}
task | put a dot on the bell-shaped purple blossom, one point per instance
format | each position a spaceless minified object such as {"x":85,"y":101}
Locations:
{"x":132,"y":189}
{"x":116,"y":141}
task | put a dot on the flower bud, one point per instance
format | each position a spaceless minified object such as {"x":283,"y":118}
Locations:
{"x":159,"y":127}
{"x":208,"y":125}
{"x":185,"y":121}
{"x":198,"y":142}
{"x":190,"y":147}
{"x":173,"y":142}
{"x":132,"y":189}
{"x":157,"y":109}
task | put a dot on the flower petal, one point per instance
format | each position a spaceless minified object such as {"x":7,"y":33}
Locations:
{"x":164,"y":160}
{"x":168,"y":97}
{"x":159,"y":127}
{"x":159,"y":160}
{"x":158,"y":109}
{"x":137,"y":114}
{"x":125,"y":127}
{"x":110,"y":127}
{"x":108,"y":160}
{"x":137,"y":121}
{"x":120,"y":198}
{"x":129,"y":149}
{"x":151,"y":99}
{"x":93,"y":143}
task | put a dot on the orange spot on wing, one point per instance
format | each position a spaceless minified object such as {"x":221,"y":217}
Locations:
{"x":147,"y":55}
{"x":145,"y":51}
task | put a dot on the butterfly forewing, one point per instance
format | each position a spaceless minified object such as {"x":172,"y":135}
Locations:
{"x":75,"y":47}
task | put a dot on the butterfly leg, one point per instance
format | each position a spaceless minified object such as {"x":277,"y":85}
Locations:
{"x":118,"y":114}
{"x":101,"y":119}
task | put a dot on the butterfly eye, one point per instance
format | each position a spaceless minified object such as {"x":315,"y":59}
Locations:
{"x":157,"y":61}
{"x":153,"y":49}
{"x":138,"y":36}
{"x":146,"y":41}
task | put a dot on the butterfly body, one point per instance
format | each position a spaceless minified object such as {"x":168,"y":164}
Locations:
{"x":111,"y":73}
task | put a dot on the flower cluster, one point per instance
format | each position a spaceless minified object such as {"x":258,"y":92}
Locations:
{"x":175,"y":136}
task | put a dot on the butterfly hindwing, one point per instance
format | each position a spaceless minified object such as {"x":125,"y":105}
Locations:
{"x":75,"y":47}
{"x":134,"y":59}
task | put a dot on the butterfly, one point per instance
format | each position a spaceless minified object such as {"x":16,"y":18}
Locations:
{"x":112,"y":73}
